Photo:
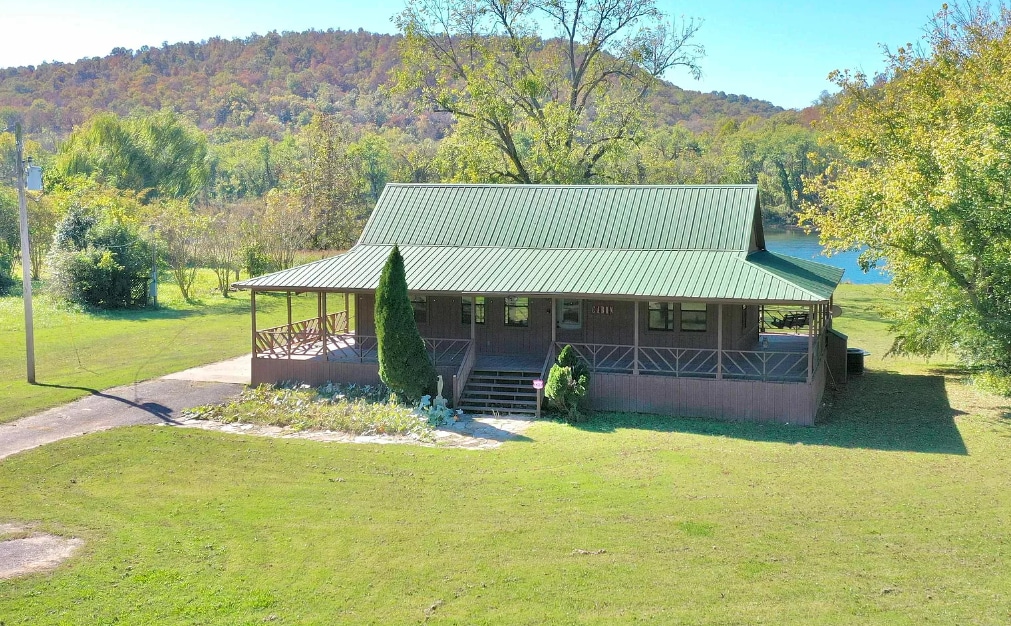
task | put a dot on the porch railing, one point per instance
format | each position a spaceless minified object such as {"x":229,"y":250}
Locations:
{"x":765,"y":366}
{"x":602,"y":357}
{"x":446,"y":351}
{"x":353,"y":347}
{"x":694,"y":362}
{"x":760,"y":365}
{"x":301,"y":338}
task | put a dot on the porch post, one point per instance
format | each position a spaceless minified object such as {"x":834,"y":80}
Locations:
{"x":554,"y":322}
{"x":810,"y":343}
{"x":635,"y":341}
{"x":719,"y":342}
{"x":252,"y":308}
{"x":326,"y":348}
{"x":347,"y":314}
{"x":288,"y":298}
{"x":473,"y":321}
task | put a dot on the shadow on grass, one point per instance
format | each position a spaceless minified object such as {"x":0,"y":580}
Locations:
{"x":160,"y":411}
{"x":879,"y":411}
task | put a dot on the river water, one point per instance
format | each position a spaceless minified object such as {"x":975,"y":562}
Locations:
{"x":805,"y":246}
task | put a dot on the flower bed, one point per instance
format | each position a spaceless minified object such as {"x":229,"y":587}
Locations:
{"x":352,"y":409}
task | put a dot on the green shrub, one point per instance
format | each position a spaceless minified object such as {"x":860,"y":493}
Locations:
{"x":7,"y":280}
{"x":403,"y":361}
{"x":567,"y":385}
{"x":255,"y":260}
{"x":100,"y":264}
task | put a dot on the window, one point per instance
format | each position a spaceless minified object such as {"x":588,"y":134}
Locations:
{"x":420,"y":306}
{"x":661,"y":316}
{"x":475,"y":302}
{"x":570,"y":314}
{"x":517,"y":312}
{"x":693,"y":317}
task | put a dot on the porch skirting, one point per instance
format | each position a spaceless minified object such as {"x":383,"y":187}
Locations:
{"x":739,"y":400}
{"x":318,"y":372}
{"x":742,"y":400}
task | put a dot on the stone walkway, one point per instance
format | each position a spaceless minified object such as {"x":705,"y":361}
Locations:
{"x":474,"y":433}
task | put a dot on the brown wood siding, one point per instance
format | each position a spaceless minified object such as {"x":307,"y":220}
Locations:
{"x":793,"y":403}
{"x":314,"y":372}
{"x":836,"y":353}
{"x":494,"y":337}
{"x":365,"y":313}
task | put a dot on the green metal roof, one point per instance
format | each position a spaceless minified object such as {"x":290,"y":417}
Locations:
{"x":565,"y":216}
{"x":688,"y":243}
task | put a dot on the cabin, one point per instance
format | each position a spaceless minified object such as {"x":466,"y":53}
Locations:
{"x":667,"y":293}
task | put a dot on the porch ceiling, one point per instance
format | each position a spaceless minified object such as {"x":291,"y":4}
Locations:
{"x":620,"y":273}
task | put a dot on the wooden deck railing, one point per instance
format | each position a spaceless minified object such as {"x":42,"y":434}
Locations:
{"x":352,"y":347}
{"x":463,"y":372}
{"x":694,"y":362}
{"x":446,"y":351}
{"x":763,"y":365}
{"x":301,"y":338}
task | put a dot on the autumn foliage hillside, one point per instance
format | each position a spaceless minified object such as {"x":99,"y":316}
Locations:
{"x":265,"y":85}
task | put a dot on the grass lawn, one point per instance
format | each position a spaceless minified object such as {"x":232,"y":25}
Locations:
{"x":77,"y":351}
{"x":896,"y":509}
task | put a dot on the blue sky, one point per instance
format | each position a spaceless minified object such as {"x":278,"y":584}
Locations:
{"x":776,"y":51}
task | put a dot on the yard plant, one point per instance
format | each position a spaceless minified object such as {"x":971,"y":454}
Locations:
{"x":403,"y":361}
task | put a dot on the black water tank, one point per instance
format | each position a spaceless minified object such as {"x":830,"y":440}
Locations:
{"x":855,"y":361}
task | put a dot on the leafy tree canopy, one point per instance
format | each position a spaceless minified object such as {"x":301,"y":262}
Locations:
{"x":535,"y":108}
{"x":157,"y":155}
{"x":923,"y":184}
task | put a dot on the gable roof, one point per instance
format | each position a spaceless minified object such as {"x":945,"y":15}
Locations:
{"x":565,"y":216}
{"x":674,"y":242}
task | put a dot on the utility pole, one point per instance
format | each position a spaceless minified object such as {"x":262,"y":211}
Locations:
{"x":26,"y":259}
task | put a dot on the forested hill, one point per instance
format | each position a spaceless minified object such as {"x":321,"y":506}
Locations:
{"x":264,"y":85}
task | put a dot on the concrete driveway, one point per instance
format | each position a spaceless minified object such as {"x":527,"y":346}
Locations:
{"x":157,"y":401}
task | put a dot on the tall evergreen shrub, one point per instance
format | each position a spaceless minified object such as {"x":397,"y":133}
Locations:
{"x":403,"y":361}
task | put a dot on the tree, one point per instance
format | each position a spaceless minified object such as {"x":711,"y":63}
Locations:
{"x":533,"y":109}
{"x":181,"y":233}
{"x":326,"y":184}
{"x":158,"y":155}
{"x":403,"y":361}
{"x":923,"y":184}
{"x":221,"y":249}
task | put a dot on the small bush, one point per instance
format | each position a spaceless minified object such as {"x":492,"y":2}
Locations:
{"x":255,"y":260}
{"x":100,"y":264}
{"x":7,"y":281}
{"x":567,"y":385}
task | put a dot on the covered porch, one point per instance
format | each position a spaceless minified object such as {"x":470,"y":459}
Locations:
{"x":755,"y":347}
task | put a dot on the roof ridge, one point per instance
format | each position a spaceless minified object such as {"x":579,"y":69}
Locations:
{"x":581,"y":186}
{"x":457,"y":247}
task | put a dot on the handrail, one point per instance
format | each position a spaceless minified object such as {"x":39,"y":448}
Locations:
{"x":462,"y":374}
{"x":548,"y":361}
